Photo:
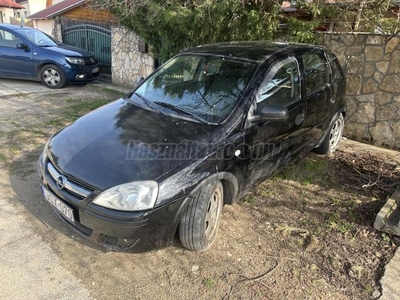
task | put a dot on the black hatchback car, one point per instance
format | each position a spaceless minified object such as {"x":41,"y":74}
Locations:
{"x":196,"y":134}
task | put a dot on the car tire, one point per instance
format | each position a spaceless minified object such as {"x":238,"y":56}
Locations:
{"x":333,"y":136}
{"x":52,"y":77}
{"x":199,"y":224}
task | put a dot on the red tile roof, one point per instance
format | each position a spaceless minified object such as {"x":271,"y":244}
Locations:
{"x":56,"y":9}
{"x":11,"y":4}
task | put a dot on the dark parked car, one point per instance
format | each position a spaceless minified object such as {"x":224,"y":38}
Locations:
{"x":196,"y":134}
{"x":27,"y":53}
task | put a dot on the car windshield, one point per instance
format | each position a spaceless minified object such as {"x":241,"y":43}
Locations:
{"x":201,"y":87}
{"x":39,"y":38}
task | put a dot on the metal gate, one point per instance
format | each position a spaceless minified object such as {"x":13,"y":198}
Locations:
{"x":95,"y":38}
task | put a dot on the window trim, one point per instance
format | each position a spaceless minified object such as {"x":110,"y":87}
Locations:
{"x":272,"y":72}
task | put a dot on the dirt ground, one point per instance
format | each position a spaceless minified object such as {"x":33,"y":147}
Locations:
{"x":304,"y":234}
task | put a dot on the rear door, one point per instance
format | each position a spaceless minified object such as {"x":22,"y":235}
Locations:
{"x":338,"y":84}
{"x":14,"y":62}
{"x":317,"y":92}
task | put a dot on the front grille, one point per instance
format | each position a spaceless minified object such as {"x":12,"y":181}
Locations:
{"x":67,"y":184}
{"x":89,"y":61}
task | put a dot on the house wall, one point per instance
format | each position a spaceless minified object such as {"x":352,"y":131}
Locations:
{"x":128,"y":64}
{"x":35,"y":5}
{"x":7,"y":13}
{"x":372,"y":66}
{"x":21,"y":14}
{"x":44,"y":25}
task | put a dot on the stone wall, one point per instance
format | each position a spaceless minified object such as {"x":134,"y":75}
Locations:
{"x":56,"y":31}
{"x":372,"y":66}
{"x":128,"y":64}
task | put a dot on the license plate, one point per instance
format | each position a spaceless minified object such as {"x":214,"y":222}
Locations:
{"x":95,"y":70}
{"x":64,"y":209}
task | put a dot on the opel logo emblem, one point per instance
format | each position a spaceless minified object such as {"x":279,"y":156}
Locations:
{"x":61,"y":182}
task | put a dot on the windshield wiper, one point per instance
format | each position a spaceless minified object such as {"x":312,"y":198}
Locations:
{"x":149,"y":104}
{"x":182,"y":111}
{"x":46,"y":46}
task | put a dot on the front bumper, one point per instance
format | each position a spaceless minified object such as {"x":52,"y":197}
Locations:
{"x":118,"y":230}
{"x":82,"y":73}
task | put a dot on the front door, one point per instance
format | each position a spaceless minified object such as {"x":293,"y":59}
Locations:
{"x":273,"y":144}
{"x":14,"y":62}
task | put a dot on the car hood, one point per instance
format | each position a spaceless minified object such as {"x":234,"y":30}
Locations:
{"x":69,"y":50}
{"x":121,"y":142}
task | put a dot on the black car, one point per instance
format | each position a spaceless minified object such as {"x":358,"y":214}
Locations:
{"x":198,"y":133}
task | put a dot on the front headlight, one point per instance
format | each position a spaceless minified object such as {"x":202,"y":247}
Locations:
{"x":75,"y":60}
{"x":133,"y":196}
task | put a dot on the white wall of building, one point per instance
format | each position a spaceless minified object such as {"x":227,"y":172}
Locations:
{"x":36,"y":5}
{"x":6,"y":14}
{"x":44,"y":25}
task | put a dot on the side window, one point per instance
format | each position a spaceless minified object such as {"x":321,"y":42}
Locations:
{"x":7,"y":39}
{"x":336,"y":71}
{"x":316,"y":71}
{"x":281,"y":85}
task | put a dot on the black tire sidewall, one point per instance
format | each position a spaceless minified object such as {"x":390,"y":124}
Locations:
{"x":192,"y":227}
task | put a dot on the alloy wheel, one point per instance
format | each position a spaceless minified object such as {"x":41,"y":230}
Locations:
{"x":213,"y":213}
{"x":336,"y":133}
{"x":51,"y":77}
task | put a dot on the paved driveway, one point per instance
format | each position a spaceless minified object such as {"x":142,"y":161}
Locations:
{"x":30,"y":268}
{"x":10,"y":87}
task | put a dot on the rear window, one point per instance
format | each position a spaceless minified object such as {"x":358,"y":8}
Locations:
{"x":316,"y":71}
{"x":336,"y":70}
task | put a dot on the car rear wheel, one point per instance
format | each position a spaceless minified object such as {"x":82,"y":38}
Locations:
{"x":199,"y":224}
{"x":52,"y":77}
{"x":332,"y":138}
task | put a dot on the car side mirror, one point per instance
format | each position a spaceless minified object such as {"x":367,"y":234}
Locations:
{"x":272,"y":112}
{"x":22,"y":46}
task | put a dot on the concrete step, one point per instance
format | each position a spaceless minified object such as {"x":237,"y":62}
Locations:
{"x":388,"y":218}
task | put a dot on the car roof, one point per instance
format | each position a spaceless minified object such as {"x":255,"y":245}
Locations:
{"x":16,"y":27}
{"x":253,"y":50}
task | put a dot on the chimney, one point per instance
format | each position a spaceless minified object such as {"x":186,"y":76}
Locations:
{"x":49,"y":3}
